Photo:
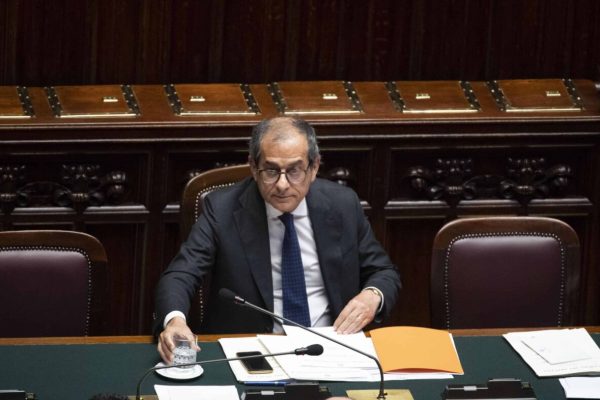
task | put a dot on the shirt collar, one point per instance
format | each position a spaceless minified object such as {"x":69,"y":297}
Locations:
{"x":300,"y":211}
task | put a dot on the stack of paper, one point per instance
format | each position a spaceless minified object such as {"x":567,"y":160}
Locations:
{"x":557,"y":352}
{"x":407,"y":352}
{"x":337,"y":363}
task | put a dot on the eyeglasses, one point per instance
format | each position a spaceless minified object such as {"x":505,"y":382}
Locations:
{"x":294,"y":175}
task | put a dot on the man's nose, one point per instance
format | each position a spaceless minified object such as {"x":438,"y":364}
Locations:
{"x":282,"y":182}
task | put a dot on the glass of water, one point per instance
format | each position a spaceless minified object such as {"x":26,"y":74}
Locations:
{"x":184,"y":353}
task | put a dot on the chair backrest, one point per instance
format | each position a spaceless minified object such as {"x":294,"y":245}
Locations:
{"x":192,"y":204}
{"x":52,"y":283}
{"x":504,"y":272}
{"x":200,"y":185}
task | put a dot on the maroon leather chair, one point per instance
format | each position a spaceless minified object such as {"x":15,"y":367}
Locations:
{"x":191,"y":208}
{"x":52,"y":283}
{"x":505,"y":272}
{"x":202,"y":184}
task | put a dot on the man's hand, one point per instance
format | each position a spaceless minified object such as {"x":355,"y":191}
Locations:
{"x":175,"y":328}
{"x":358,"y":313}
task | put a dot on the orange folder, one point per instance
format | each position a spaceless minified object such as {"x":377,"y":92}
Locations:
{"x":415,"y":349}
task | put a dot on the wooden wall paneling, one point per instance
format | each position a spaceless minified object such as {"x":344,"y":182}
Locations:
{"x":319,"y":38}
{"x":125,"y":242}
{"x":592,"y":257}
{"x":541,"y":34}
{"x":54,"y":42}
{"x":350,"y":166}
{"x":156,"y":34}
{"x":8,"y":46}
{"x":109,"y":178}
{"x":155,"y":184}
{"x":408,"y":243}
{"x":196,"y":32}
{"x":185,"y":163}
{"x":479,"y":172}
{"x":386,"y":30}
{"x":253,"y":46}
{"x":117,"y":44}
{"x":585,"y":56}
{"x":349,"y":51}
{"x":583,"y":226}
{"x":72,"y":42}
{"x":450,"y":34}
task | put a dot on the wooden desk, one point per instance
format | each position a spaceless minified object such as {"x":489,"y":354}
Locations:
{"x":77,"y":368}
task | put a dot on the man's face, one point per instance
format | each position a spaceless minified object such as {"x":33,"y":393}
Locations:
{"x":286,"y":153}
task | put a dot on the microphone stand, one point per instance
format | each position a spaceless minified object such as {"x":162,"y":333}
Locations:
{"x":301,"y":351}
{"x":240,"y":301}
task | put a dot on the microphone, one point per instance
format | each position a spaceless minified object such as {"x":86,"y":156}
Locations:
{"x":231,"y":296}
{"x":312,"y":350}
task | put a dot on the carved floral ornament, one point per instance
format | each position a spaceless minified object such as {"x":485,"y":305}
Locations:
{"x":76,"y":186}
{"x":453,"y":180}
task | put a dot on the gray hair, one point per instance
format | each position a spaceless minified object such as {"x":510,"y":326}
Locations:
{"x":301,"y":126}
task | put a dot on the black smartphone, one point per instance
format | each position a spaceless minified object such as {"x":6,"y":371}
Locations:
{"x":258,"y":365}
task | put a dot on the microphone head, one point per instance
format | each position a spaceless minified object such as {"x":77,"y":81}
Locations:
{"x":230,"y":295}
{"x":314,"y":350}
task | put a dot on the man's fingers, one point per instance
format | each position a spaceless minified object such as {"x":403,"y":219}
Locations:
{"x":356,"y":315}
{"x":165,"y":353}
{"x":349,"y":320}
{"x":357,"y":320}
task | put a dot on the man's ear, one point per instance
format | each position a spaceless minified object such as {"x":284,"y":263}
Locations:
{"x":253,"y":168}
{"x":315,"y":168}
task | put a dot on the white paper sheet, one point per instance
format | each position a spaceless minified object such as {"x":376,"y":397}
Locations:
{"x":556,"y":347}
{"x":550,"y":339}
{"x":165,"y":392}
{"x":581,"y":387}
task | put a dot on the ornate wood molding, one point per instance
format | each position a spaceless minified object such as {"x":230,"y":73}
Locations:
{"x":77,"y":186}
{"x":528,"y":178}
{"x":453,"y":180}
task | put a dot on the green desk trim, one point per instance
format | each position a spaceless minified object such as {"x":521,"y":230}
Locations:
{"x":78,"y":371}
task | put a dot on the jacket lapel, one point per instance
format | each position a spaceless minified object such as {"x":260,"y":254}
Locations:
{"x":252,"y":226}
{"x":327,"y":227}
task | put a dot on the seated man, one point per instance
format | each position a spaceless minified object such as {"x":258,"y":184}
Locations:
{"x":283,"y":240}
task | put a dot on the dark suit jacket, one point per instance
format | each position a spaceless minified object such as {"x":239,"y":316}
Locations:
{"x":230,"y":240}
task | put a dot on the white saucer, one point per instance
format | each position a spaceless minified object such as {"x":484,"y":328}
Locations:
{"x":174,"y":373}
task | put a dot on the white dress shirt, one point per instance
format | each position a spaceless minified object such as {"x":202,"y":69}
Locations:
{"x":318,"y":304}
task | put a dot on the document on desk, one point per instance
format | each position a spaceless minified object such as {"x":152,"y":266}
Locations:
{"x":337,"y":363}
{"x":167,"y":392}
{"x":557,"y":352}
{"x":581,"y":387}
